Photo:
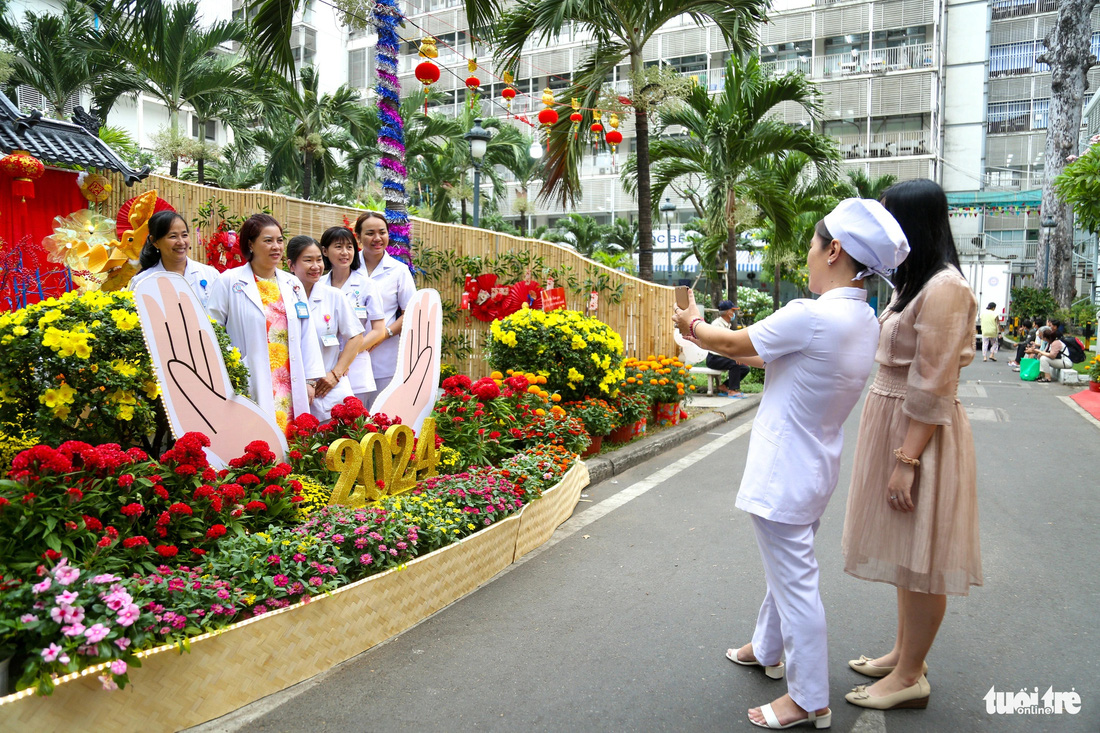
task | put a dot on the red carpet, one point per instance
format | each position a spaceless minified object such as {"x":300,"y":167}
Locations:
{"x":1089,"y":402}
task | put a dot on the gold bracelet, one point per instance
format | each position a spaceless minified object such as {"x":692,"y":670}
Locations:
{"x":900,"y":455}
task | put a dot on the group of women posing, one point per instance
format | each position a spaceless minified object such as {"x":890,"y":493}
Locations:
{"x":311,"y":337}
{"x":912,"y":518}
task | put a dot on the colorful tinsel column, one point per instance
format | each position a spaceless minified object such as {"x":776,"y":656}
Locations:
{"x":391,"y":135}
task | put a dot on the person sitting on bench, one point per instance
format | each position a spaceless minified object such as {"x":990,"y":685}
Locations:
{"x":737,"y":370}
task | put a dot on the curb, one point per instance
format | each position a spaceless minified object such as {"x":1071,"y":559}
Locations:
{"x":604,"y":467}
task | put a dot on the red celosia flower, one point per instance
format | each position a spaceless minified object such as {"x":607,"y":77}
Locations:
{"x":161,"y":492}
{"x":92,"y":524}
{"x":296,"y":455}
{"x":232,"y":492}
{"x":125,"y":481}
{"x":167,"y":551}
{"x":132,"y":510}
{"x":248,"y":479}
{"x":273,"y":489}
{"x":136,"y":541}
{"x":112,"y":533}
{"x":179,"y":508}
{"x":255,"y":506}
{"x":104,"y":541}
{"x":198,"y":551}
{"x":279,"y":471}
{"x":29,"y":497}
{"x":75,"y":493}
{"x":215,"y":531}
{"x":485,"y":389}
{"x":3,"y":502}
{"x":51,"y":555}
{"x":203,"y":492}
{"x":164,"y":519}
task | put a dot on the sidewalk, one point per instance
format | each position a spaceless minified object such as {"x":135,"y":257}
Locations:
{"x":720,"y":409}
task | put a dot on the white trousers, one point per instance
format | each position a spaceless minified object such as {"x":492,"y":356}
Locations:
{"x":380,"y":383}
{"x":792,"y":617}
{"x":990,"y":344}
{"x":1048,"y":365}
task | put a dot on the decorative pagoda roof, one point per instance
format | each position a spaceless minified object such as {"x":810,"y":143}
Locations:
{"x":56,"y":141}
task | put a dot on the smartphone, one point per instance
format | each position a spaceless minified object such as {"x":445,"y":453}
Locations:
{"x":683,"y":297}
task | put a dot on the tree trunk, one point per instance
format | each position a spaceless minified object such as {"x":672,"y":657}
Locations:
{"x":731,"y":247}
{"x":307,"y":174}
{"x":463,"y":202}
{"x":174,"y":167}
{"x":775,"y":288}
{"x":200,"y":164}
{"x":1070,"y":58}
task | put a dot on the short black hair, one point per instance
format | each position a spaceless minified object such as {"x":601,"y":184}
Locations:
{"x":251,"y":229}
{"x":991,"y":306}
{"x":331,"y":236}
{"x":297,"y":245}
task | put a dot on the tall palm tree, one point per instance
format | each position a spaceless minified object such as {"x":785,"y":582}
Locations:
{"x":860,"y":185}
{"x":808,"y":197}
{"x":526,"y":170}
{"x":728,"y":134}
{"x":621,"y":29}
{"x":582,"y":232}
{"x":180,"y":59}
{"x":305,"y":130}
{"x":622,"y":236}
{"x":58,"y":55}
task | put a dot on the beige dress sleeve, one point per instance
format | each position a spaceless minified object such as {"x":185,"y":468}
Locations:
{"x":944,"y":324}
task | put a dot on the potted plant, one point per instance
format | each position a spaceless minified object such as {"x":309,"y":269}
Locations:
{"x":633,"y":408}
{"x":1094,"y":374}
{"x":661,"y":378}
{"x":599,"y":419}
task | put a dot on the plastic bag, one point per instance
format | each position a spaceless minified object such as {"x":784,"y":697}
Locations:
{"x":1029,"y":369}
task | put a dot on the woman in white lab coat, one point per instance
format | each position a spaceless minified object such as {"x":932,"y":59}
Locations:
{"x":818,"y":355}
{"x":346,"y":274}
{"x":168,"y":249}
{"x":339,"y":332}
{"x":266,"y":313}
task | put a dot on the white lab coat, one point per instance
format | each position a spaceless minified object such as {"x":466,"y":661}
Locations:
{"x":362,"y":295}
{"x":333,"y":319}
{"x":235,"y":303}
{"x":200,"y":277}
{"x":396,"y":289}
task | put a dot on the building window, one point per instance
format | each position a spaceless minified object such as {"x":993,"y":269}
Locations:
{"x":689,"y":64}
{"x":303,"y":45}
{"x":357,"y":68}
{"x":1016,"y":58}
{"x":209,"y":129}
{"x":1011,"y":116}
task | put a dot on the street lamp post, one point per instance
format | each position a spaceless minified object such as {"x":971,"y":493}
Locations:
{"x":1047,"y":224}
{"x":668,"y":210}
{"x":479,"y":141}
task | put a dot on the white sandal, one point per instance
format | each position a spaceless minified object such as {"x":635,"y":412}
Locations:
{"x":776,"y":673}
{"x":771,"y":721}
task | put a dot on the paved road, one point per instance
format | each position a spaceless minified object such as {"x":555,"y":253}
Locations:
{"x":622,"y":623}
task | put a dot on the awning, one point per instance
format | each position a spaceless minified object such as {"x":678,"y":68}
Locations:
{"x":997,"y":198}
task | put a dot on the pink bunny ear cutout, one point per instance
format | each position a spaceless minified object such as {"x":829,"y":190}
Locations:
{"x":195,"y":387}
{"x":412,"y":392}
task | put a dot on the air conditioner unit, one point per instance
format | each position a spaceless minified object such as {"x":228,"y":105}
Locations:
{"x":604,"y":171}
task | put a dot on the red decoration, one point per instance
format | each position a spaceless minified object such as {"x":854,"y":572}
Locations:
{"x":122,"y":221}
{"x":614,"y":137}
{"x":548,"y":116}
{"x":596,"y":128}
{"x":625,"y":100}
{"x":472,"y":83}
{"x":576,"y":117}
{"x":427,"y":73}
{"x":25,"y":169}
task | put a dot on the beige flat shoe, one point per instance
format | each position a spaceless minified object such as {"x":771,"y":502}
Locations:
{"x":915,"y":696}
{"x":776,"y":673}
{"x":863,"y":666}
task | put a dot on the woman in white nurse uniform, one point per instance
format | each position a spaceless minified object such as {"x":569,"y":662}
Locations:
{"x":266,"y":313}
{"x":341,"y":252}
{"x":818,"y":354}
{"x":395,"y":287}
{"x":168,"y":249}
{"x":338,"y":330}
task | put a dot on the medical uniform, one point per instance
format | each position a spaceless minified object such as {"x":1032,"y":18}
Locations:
{"x":362,"y":294}
{"x":235,"y":303}
{"x":819,"y":354}
{"x":396,"y":288}
{"x":199,"y":276}
{"x":335,"y":323}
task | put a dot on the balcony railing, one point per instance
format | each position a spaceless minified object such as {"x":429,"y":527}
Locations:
{"x":875,"y":61}
{"x":885,"y":144}
{"x":788,"y":65}
{"x":1020,"y":8}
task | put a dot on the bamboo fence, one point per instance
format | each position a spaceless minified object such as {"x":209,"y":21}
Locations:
{"x":638,"y":310}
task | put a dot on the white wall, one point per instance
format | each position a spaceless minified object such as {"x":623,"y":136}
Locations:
{"x":965,"y":76}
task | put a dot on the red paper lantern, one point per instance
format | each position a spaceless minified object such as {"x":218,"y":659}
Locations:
{"x":473,"y":83}
{"x":614,"y":137}
{"x":25,"y":169}
{"x":548,"y":116}
{"x":576,"y":117}
{"x":596,"y":128}
{"x":427,"y":73}
{"x":509,"y":93}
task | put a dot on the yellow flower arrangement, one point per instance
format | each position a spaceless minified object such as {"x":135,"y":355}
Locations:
{"x":661,"y":378}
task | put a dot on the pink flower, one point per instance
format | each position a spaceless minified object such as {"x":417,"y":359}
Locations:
{"x":128,"y":615}
{"x":28,"y":618}
{"x":122,"y":643}
{"x":72,"y":615}
{"x":274,"y":559}
{"x":108,"y":682}
{"x":41,"y":587}
{"x":365,"y":559}
{"x":316,"y":580}
{"x":67,"y":598}
{"x":64,"y":575}
{"x":106,"y":578}
{"x":96,"y":633}
{"x":118,"y":667}
{"x":50,"y":653}
{"x":57,"y":614}
{"x":299,"y":557}
{"x":280,"y":580}
{"x":1071,"y":158}
{"x":118,"y":599}
{"x":74,"y":629}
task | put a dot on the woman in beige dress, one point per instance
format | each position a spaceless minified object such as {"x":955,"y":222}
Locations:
{"x":912,"y":517}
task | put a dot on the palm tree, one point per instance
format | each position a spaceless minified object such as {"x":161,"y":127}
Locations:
{"x":582,"y":233}
{"x":180,"y":60}
{"x":525,"y":170}
{"x":860,"y":185}
{"x":305,"y":130}
{"x":58,"y":56}
{"x":726,"y":136}
{"x":807,"y":197}
{"x":621,"y":29}
{"x":622,"y":236}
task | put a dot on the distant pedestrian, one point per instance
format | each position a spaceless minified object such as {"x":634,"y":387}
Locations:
{"x":991,"y":333}
{"x":818,"y":355}
{"x":912,"y":516}
{"x":736,"y":370}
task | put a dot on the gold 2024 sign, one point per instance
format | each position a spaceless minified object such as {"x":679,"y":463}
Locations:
{"x":381,"y":464}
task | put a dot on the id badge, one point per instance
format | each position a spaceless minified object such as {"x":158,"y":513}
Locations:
{"x":329,"y":339}
{"x":302,"y":310}
{"x":361,"y":312}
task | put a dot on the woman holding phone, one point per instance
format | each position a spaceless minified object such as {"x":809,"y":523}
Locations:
{"x":818,"y":355}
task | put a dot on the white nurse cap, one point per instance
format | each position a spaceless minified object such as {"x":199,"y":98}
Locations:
{"x":869,"y":234}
